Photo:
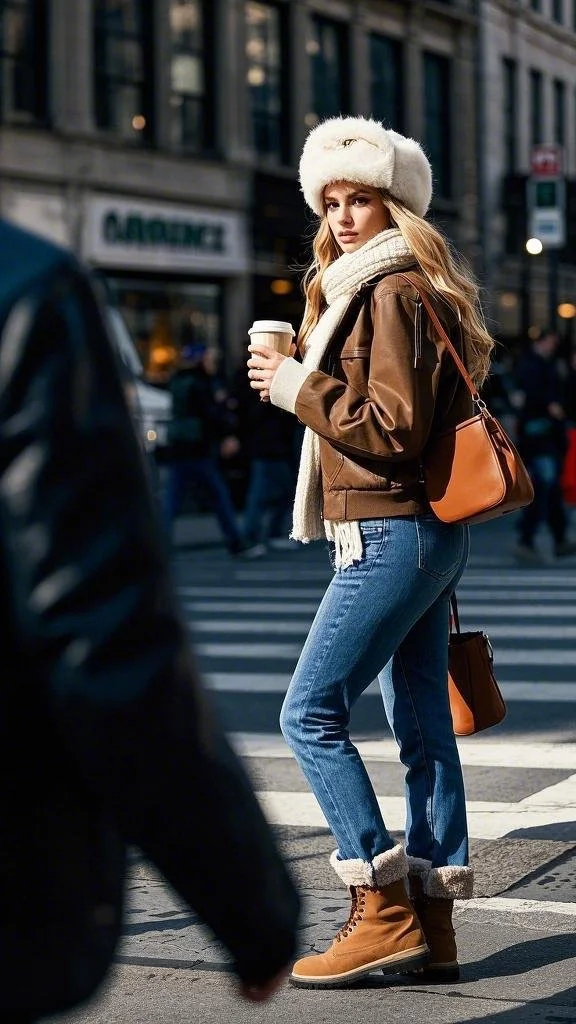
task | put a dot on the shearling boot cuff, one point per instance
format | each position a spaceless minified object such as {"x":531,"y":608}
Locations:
{"x":386,"y":868}
{"x":453,"y":883}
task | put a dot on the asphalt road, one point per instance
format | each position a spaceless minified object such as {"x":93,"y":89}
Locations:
{"x":517,"y":937}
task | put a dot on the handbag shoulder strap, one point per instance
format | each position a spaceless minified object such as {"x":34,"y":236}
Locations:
{"x":443,"y":334}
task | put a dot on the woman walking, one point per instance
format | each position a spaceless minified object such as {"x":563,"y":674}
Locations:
{"x":374,"y":386}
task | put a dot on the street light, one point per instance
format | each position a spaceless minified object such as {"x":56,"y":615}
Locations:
{"x":534,"y":246}
{"x":567,"y":312}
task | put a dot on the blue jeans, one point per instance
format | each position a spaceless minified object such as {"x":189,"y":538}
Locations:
{"x":385,"y":616}
{"x":207,"y":472}
{"x":270,"y":491}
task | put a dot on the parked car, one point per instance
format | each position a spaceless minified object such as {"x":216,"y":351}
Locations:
{"x":153,"y":405}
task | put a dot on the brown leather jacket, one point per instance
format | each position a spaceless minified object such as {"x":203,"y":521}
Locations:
{"x":385,"y":386}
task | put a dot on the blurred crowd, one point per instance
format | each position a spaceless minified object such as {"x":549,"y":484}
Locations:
{"x":229,"y":449}
{"x":533,"y":393}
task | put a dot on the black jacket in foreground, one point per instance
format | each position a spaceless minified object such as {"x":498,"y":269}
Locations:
{"x":106,"y":736}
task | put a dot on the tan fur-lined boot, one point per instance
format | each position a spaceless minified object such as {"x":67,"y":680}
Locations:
{"x":432,"y":894}
{"x":382,"y":931}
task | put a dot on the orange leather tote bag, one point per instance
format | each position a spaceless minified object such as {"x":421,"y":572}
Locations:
{"x":476,"y":702}
{"x":472,"y":472}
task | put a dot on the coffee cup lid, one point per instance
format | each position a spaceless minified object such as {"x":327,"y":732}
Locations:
{"x":272,"y":327}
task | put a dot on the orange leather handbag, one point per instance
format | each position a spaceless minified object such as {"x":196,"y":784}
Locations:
{"x":476,"y":702}
{"x":472,"y":472}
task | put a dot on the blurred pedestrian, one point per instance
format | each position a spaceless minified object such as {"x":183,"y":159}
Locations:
{"x":542,"y":442}
{"x":106,"y":736}
{"x":568,"y":477}
{"x":374,"y":385}
{"x":200,"y":433}
{"x":268,"y":438}
{"x":498,"y":391}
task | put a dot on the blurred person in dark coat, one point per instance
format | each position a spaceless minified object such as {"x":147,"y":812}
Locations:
{"x":270,"y":440}
{"x":200,"y":432}
{"x":542,"y":441}
{"x":106,"y":737}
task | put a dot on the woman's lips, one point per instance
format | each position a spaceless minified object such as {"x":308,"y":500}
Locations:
{"x":347,"y":236}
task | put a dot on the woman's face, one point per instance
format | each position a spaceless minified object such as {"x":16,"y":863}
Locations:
{"x":355,"y":213}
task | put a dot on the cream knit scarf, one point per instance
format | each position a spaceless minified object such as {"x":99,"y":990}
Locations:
{"x":383,"y":254}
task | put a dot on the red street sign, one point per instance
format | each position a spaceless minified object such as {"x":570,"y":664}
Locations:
{"x":546,"y":161}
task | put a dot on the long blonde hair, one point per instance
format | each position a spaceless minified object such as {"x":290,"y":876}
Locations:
{"x":447,"y":274}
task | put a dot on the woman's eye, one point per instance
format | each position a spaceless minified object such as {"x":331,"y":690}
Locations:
{"x":361,"y":200}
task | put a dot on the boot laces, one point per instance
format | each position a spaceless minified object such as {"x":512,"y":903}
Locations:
{"x":356,"y":913}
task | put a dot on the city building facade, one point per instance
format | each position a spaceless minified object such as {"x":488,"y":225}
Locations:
{"x":159,"y":139}
{"x":528,"y":100}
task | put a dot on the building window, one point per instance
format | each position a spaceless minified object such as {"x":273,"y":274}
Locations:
{"x":536,"y":108}
{"x":559,"y":112}
{"x":164,"y":315}
{"x":191,"y":79}
{"x":536,"y":5}
{"x":123,"y":68}
{"x":438,"y":120}
{"x":510,"y":106}
{"x":558,"y":11}
{"x":328,"y":52}
{"x":266,"y":79}
{"x":24,"y":64}
{"x":387,"y":81}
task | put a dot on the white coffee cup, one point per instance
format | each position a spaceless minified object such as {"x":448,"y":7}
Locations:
{"x":276,"y":334}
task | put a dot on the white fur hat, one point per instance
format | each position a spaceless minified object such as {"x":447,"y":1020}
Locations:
{"x":363,"y":151}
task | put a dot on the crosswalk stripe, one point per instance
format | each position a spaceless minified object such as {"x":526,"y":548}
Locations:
{"x":279,"y":596}
{"x":295,"y":627}
{"x":300,"y":627}
{"x":250,"y":607}
{"x":474,"y":577}
{"x":258,"y":652}
{"x":509,"y":905}
{"x":520,"y":579}
{"x":271,"y":593}
{"x":514,"y":611}
{"x":517,"y":584}
{"x":486,"y":819}
{"x":481,"y":751}
{"x":271,"y":682}
{"x":288,"y":652}
{"x":469,"y":608}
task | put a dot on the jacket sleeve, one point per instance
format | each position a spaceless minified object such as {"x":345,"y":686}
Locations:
{"x":102,"y":645}
{"x":393,"y":420}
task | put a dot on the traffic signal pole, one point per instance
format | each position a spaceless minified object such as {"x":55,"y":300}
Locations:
{"x":553,"y":266}
{"x":547,"y":213}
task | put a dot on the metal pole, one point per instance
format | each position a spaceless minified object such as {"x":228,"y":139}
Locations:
{"x":553,"y":289}
{"x":525,"y":284}
{"x":483,"y":255}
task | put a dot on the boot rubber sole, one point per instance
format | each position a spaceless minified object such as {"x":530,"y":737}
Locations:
{"x":397,"y":963}
{"x":435,"y":974}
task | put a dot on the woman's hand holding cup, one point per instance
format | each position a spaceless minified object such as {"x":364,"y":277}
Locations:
{"x":271,"y":344}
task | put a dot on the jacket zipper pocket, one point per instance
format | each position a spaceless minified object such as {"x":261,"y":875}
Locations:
{"x":418,"y":324}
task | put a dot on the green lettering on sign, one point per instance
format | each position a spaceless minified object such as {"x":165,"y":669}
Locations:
{"x":112,"y":230}
{"x":134,"y":229}
{"x":134,"y":232}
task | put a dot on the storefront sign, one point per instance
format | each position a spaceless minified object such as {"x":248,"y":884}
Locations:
{"x":159,"y":236}
{"x":43,"y":213}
